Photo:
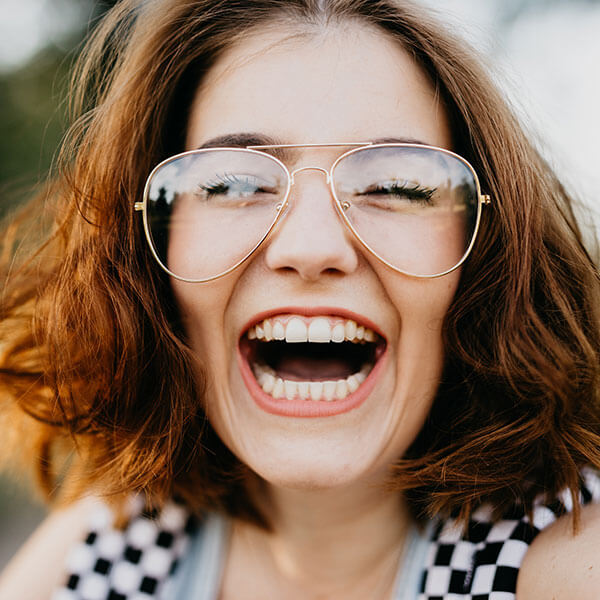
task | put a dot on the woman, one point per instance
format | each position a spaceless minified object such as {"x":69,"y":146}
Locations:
{"x":353,"y":331}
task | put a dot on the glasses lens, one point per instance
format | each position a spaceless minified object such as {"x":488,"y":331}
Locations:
{"x":415,"y":207}
{"x":207,"y":210}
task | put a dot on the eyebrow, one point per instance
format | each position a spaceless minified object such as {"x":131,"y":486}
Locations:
{"x":401,"y":140}
{"x":242,"y":140}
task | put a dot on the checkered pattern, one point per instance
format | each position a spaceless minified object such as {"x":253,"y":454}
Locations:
{"x":480,"y":563}
{"x":131,"y":564}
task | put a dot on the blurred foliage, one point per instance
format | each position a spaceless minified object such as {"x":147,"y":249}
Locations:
{"x":31,"y":124}
{"x":33,"y":106}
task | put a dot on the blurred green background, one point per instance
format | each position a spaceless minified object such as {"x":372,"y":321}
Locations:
{"x":546,"y":52}
{"x":33,"y":83}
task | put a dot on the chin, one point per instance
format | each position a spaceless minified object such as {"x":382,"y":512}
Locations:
{"x":311,"y":464}
{"x":307,"y":478}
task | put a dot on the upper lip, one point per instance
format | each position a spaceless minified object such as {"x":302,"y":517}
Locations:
{"x":313,"y":311}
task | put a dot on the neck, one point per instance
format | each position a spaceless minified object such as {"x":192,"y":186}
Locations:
{"x":343,"y":542}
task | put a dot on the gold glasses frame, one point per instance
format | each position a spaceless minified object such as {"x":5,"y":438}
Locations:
{"x":340,"y":207}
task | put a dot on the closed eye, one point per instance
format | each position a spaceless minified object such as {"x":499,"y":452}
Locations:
{"x":407,"y":190}
{"x":235,"y":186}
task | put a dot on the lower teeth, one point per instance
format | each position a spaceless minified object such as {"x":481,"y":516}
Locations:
{"x":308,"y":390}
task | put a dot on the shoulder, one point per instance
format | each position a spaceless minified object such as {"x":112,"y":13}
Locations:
{"x":38,"y":567}
{"x":561,"y":564}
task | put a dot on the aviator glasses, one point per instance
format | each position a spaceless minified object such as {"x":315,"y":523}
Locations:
{"x":414,"y":207}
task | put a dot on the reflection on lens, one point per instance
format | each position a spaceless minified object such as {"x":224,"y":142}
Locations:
{"x":208,"y":209}
{"x":415,"y":207}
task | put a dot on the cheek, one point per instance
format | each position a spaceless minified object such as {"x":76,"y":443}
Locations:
{"x":419,"y":358}
{"x":206,"y":240}
{"x":202,"y":312}
{"x":202,"y":309}
{"x":427,"y":300}
{"x":426,"y":245}
{"x":422,"y":307}
{"x":186,"y":256}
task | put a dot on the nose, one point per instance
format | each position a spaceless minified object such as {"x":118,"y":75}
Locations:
{"x":311,"y":239}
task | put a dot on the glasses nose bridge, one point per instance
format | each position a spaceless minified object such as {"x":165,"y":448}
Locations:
{"x":311,"y":168}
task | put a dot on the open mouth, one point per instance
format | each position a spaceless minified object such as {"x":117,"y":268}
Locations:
{"x":320,"y":359}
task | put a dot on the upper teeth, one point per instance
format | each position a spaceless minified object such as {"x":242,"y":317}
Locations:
{"x":319,"y":329}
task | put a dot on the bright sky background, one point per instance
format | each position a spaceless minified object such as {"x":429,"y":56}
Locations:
{"x":27,"y":26}
{"x":548,"y":58}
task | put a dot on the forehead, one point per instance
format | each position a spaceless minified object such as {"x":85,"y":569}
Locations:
{"x":344,"y":83}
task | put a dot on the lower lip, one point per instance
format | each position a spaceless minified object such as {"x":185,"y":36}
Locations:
{"x":308,"y":408}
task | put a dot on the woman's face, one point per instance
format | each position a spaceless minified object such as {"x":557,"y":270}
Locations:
{"x":351,"y":84}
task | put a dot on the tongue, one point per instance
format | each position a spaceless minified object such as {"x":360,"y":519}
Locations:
{"x":307,"y":369}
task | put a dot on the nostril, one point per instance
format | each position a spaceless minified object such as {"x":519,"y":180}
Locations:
{"x":311,"y":239}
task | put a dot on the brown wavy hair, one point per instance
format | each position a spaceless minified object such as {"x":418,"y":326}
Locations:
{"x":96,"y":382}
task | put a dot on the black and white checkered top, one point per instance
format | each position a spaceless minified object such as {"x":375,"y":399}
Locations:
{"x":140,"y":562}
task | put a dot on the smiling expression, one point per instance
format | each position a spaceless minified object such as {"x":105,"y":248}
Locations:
{"x":313,"y":325}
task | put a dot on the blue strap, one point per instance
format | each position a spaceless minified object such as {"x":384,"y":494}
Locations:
{"x":200,"y":573}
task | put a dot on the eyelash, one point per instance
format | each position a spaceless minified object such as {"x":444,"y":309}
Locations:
{"x":412,"y":192}
{"x":220,"y":185}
